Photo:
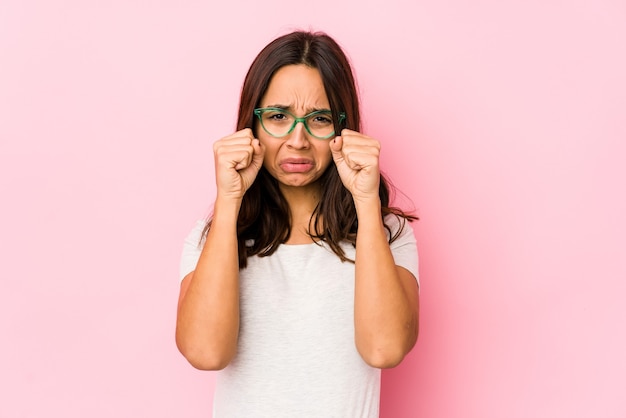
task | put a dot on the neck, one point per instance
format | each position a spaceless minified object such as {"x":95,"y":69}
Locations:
{"x":302,"y":201}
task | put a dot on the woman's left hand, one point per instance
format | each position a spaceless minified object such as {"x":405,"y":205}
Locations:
{"x":356,"y":157}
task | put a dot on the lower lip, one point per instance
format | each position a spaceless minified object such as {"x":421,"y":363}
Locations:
{"x":296,"y":168}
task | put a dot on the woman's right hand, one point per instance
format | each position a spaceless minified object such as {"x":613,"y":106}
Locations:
{"x":238,"y":159}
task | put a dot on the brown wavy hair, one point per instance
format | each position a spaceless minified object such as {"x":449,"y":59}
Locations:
{"x":264,"y":220}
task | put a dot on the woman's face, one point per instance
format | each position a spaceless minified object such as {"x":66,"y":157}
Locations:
{"x":297,"y":159}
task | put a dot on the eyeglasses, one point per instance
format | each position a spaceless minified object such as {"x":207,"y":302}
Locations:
{"x":279,"y":122}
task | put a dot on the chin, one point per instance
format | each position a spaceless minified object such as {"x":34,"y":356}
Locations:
{"x":301,"y":182}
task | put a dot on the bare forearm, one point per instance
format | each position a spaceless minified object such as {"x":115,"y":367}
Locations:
{"x":385,"y":310}
{"x":208,"y":314}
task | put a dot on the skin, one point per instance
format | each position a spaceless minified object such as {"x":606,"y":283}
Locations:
{"x":386,"y":305}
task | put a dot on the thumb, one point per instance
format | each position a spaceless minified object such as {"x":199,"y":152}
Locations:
{"x":335,"y":148}
{"x":259,"y":153}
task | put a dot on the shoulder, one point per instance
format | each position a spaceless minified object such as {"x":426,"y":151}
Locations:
{"x":192,"y":247}
{"x":194,"y":241}
{"x":402,"y":243}
{"x":195,"y":235}
{"x":397,"y":226}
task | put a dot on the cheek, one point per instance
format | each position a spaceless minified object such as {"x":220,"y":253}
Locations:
{"x":271,"y":149}
{"x":325,"y":156}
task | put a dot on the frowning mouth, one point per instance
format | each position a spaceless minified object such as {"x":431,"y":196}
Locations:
{"x":296,"y":165}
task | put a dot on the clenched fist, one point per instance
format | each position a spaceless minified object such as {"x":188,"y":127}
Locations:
{"x":356,"y":157}
{"x":238,"y":159}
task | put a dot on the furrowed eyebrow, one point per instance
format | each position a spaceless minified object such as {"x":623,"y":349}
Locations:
{"x":290,"y":109}
{"x":278,"y":106}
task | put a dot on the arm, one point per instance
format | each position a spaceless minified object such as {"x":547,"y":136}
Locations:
{"x":386,"y":305}
{"x":207,"y":325}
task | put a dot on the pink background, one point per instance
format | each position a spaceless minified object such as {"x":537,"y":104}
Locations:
{"x":503,"y":122}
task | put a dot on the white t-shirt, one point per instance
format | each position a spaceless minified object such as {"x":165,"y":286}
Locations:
{"x":296,"y":355}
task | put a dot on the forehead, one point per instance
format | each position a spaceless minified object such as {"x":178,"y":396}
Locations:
{"x":296,"y":86}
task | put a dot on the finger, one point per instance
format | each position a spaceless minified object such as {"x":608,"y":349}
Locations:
{"x":258,"y":153}
{"x":254,"y":157}
{"x":361,"y":160}
{"x":359,"y":144}
{"x":346,"y":131}
{"x":245,"y":132}
{"x":244,"y":161}
{"x":336,"y":146}
{"x":355,"y":138}
{"x":234,"y":156}
{"x":232,"y":141}
{"x":242,"y":136}
{"x":240,"y":141}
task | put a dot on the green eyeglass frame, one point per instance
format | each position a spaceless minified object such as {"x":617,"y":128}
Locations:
{"x":259,"y":113}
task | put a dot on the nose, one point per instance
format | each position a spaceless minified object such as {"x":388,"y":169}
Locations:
{"x":298,"y":138}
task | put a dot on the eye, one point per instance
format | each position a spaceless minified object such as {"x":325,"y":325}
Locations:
{"x":276,"y":116}
{"x":321,"y":120}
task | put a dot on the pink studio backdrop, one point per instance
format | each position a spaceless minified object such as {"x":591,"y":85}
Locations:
{"x":503,"y":122}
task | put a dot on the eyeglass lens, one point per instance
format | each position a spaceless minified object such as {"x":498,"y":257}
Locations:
{"x":279,"y":123}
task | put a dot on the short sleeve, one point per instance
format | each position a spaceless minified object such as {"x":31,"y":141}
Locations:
{"x":192,"y":248}
{"x":404,"y":247}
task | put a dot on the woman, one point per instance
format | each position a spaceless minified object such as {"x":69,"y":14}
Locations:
{"x":304,"y":284}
